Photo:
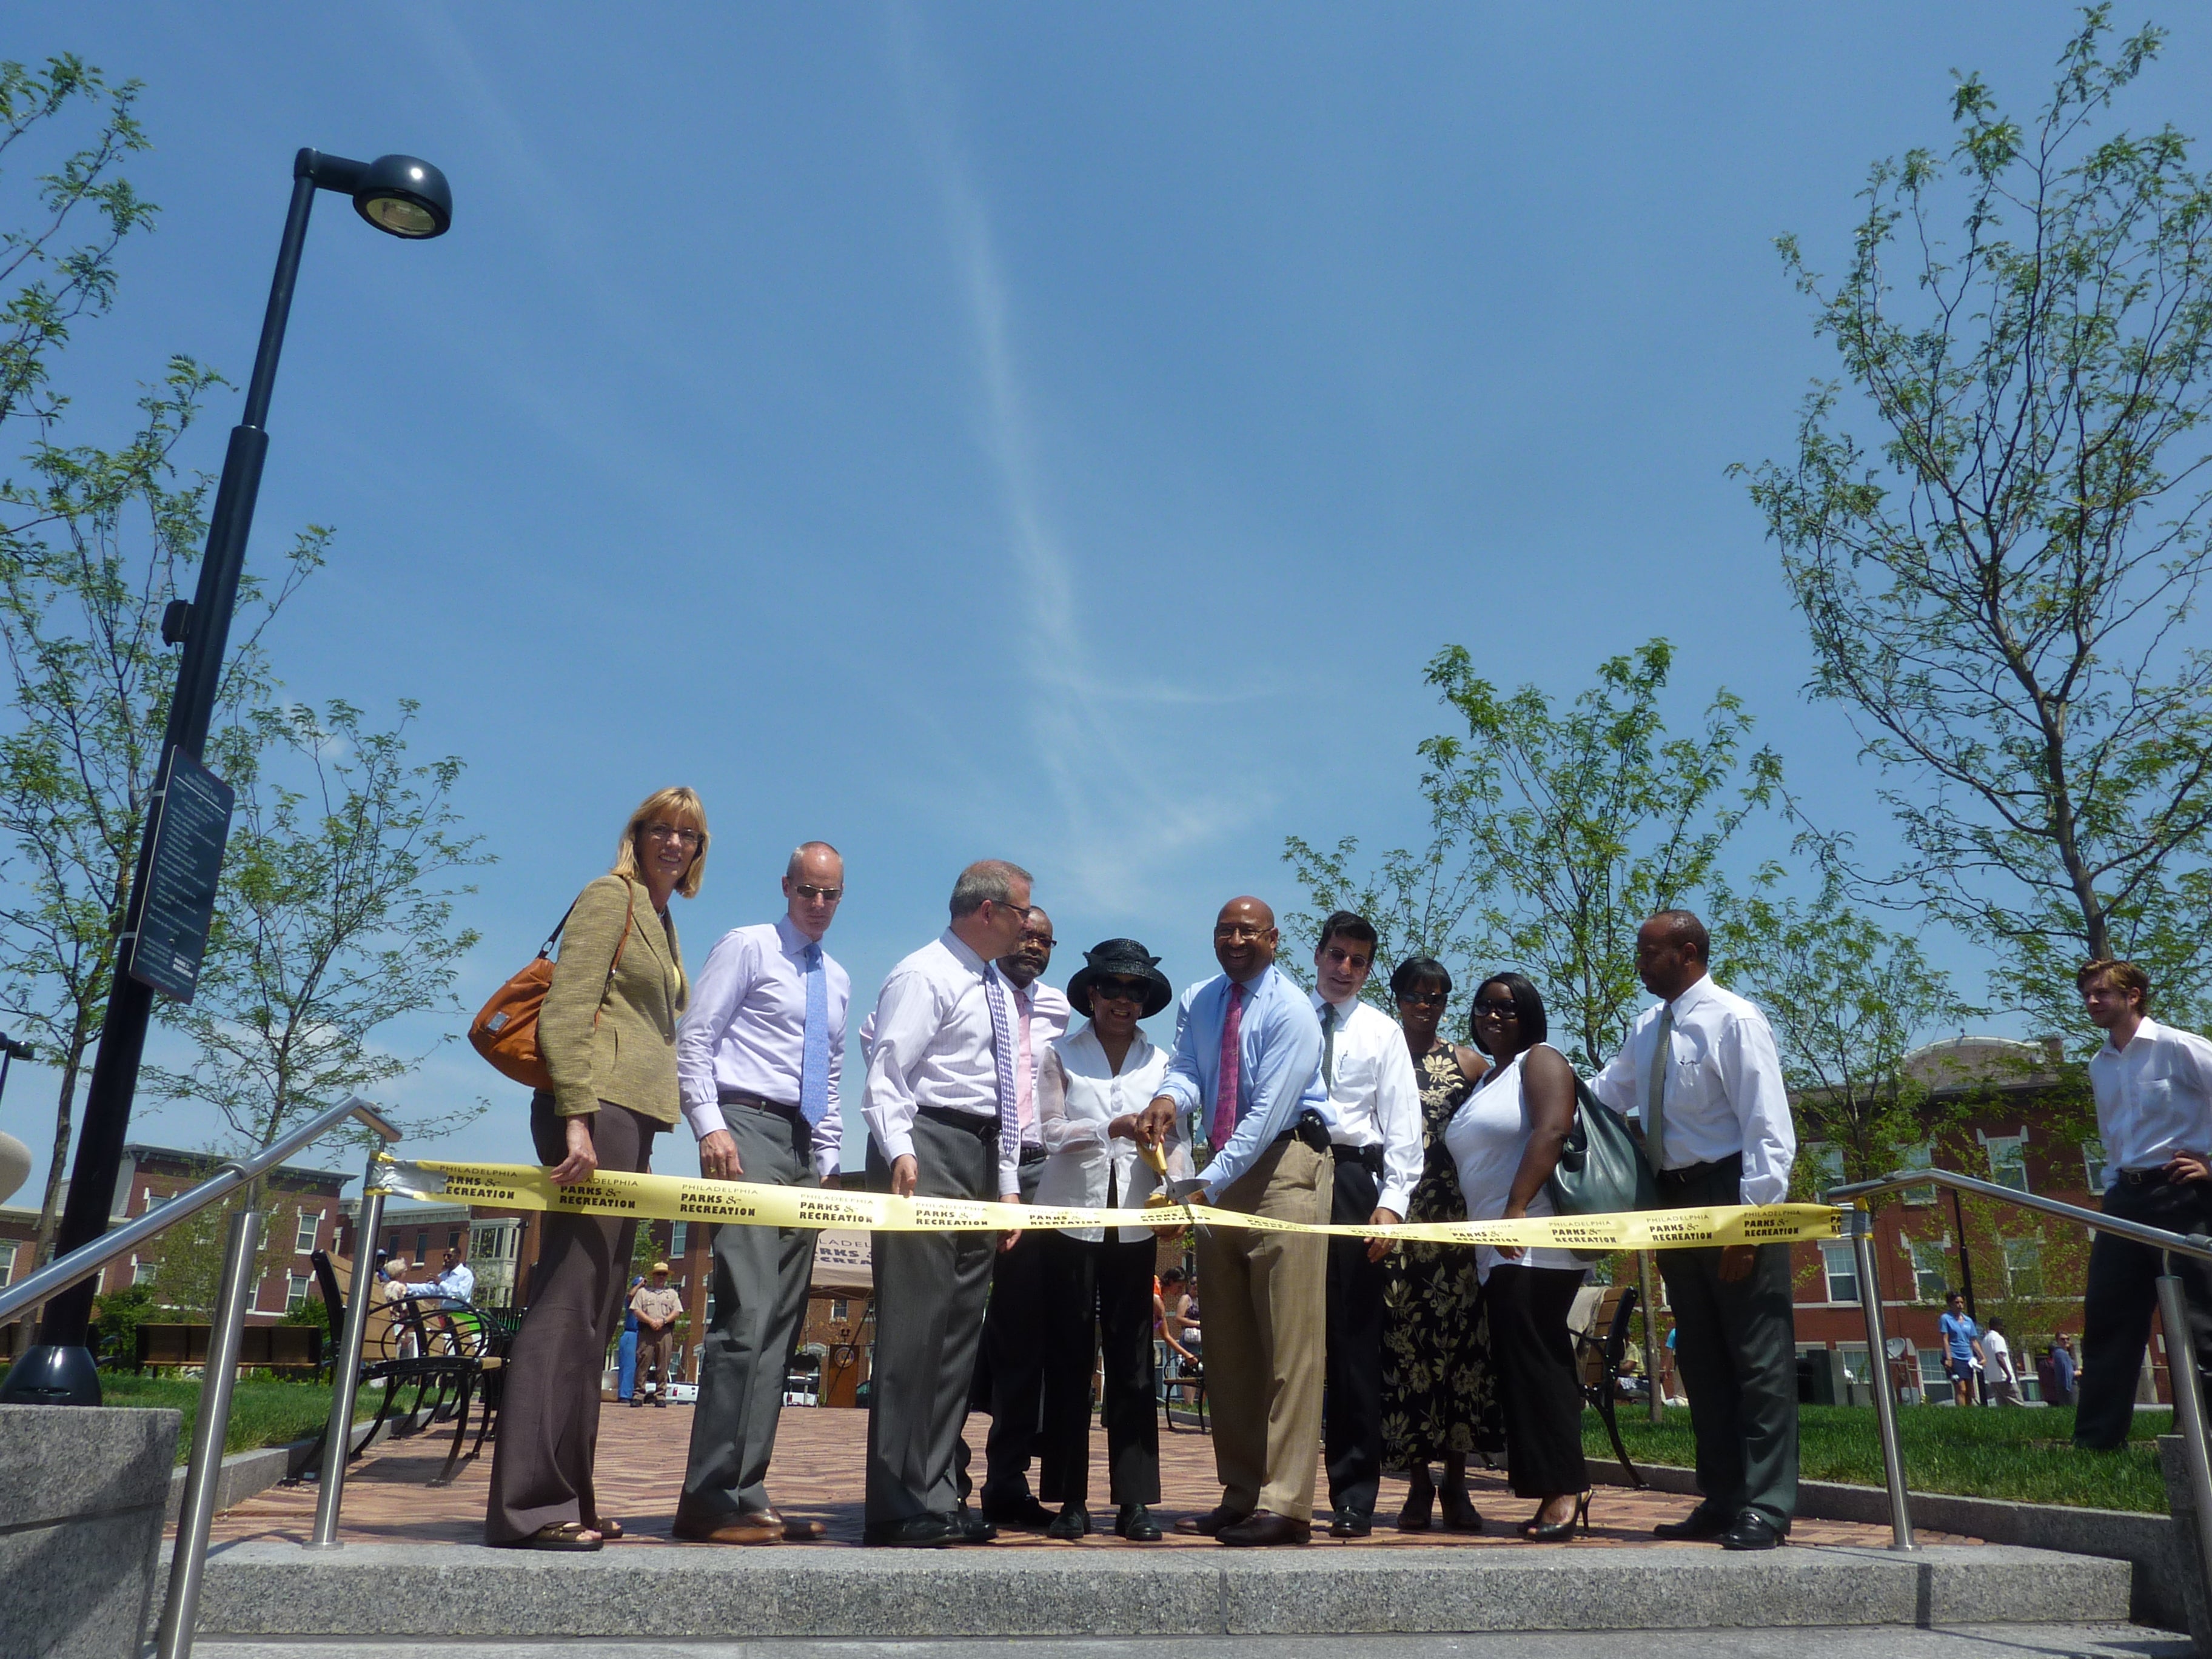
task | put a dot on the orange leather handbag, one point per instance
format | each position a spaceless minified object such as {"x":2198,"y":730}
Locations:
{"x":505,"y":1029}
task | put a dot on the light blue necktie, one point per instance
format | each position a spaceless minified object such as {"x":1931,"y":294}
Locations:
{"x":814,"y":1066}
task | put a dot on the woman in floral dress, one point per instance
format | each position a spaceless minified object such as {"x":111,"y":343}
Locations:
{"x":1439,"y":1401}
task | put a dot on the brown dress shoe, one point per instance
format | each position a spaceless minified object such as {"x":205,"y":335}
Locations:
{"x":794,"y":1532}
{"x":731,"y":1529}
{"x":1209,"y":1524}
{"x":1263,"y":1528}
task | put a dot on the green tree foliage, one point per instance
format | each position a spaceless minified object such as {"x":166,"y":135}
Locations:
{"x":1999,"y":585}
{"x":1555,"y":832}
{"x":336,"y":917}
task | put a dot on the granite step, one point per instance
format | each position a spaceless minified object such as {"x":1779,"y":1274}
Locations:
{"x":264,"y":1589}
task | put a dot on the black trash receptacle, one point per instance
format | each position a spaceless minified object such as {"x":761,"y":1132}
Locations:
{"x":1816,"y":1380}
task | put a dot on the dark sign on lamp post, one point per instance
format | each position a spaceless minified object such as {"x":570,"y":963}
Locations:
{"x":173,"y":894}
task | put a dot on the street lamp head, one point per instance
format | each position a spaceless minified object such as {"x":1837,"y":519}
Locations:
{"x":406,"y":197}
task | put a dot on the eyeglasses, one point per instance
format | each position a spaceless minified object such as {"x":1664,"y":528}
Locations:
{"x":1238,"y":933}
{"x":1045,"y":943}
{"x":827,"y":895}
{"x":669,"y":832}
{"x":1424,"y":998}
{"x":1121,"y":990}
{"x":1008,"y":904}
{"x":1495,"y":1011}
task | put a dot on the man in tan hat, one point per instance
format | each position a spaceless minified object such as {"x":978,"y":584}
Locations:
{"x":656,"y":1304}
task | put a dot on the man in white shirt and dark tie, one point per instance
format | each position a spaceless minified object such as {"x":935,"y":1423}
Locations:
{"x":943,"y":1122}
{"x":758,"y":1056}
{"x":1377,"y":1148}
{"x":1701,"y":1077}
{"x":1011,"y":1375}
{"x":2153,"y":1084}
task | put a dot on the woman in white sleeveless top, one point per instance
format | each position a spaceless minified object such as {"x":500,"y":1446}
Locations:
{"x":1098,"y":1280}
{"x":1506,"y":1141}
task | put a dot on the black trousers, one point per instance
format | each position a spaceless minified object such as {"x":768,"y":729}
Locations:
{"x":1538,"y":1392}
{"x":1352,"y":1378}
{"x":1098,"y":1298}
{"x":1009,"y":1375}
{"x":1735,"y":1347}
{"x":2122,"y":1294}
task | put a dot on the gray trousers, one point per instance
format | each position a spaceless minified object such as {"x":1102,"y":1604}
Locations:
{"x":929,"y":1319}
{"x":1735,"y":1348}
{"x":761,"y":1276}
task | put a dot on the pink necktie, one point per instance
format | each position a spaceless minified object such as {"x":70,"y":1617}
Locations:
{"x":1224,"y":1097}
{"x":1022,"y":1103}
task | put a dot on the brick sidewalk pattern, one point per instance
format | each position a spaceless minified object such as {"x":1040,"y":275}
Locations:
{"x":817,"y":1474}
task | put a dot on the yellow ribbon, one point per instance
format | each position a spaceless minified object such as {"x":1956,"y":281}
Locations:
{"x":743,"y":1203}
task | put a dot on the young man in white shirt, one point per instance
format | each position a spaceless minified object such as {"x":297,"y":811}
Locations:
{"x":1376,"y":1149}
{"x":1701,"y":1077}
{"x":2153,"y":1088}
{"x":1999,"y":1380}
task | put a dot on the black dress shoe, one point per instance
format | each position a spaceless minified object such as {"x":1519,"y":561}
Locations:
{"x":1350,"y":1523}
{"x":969,"y":1527}
{"x":1751,"y":1530}
{"x":1209,"y":1524}
{"x":1136,"y":1524}
{"x":1264,"y":1527}
{"x":1072,"y":1522}
{"x":1701,"y":1522}
{"x":1025,"y":1515}
{"x":916,"y":1532}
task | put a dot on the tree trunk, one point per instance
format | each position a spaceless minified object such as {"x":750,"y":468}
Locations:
{"x":64,"y":1115}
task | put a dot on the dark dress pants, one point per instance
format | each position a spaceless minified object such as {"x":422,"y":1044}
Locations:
{"x":1012,"y":1380}
{"x":761,"y":1278}
{"x":549,"y":1419}
{"x":929,"y":1321}
{"x":1097,"y":1298}
{"x":1351,"y":1414}
{"x":1539,"y":1394}
{"x":1736,"y":1349}
{"x":2122,"y":1294}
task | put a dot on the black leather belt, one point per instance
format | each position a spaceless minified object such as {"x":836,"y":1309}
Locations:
{"x":1369,"y":1158}
{"x":1690,"y":1174}
{"x":759,"y":1102}
{"x":974,"y":1122}
{"x":1032,"y":1153}
{"x":1309,"y":1128}
{"x":2158,"y":1177}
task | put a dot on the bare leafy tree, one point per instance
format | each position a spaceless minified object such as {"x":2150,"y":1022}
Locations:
{"x":2000,"y":586}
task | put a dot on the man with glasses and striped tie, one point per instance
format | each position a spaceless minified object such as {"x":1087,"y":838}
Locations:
{"x":758,"y":1056}
{"x":1701,"y":1076}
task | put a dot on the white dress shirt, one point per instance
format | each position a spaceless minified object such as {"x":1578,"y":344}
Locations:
{"x":457,"y":1281}
{"x":1374,"y":1096}
{"x":1048,"y":1012}
{"x":1079,"y":1094}
{"x":1723,"y":1091}
{"x":932,"y":1048}
{"x":2153,"y":1099}
{"x":745,"y":1030}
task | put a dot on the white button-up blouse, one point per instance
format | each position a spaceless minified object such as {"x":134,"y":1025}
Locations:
{"x":1078,"y":1095}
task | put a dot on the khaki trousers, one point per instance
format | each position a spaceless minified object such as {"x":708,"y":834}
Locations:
{"x":1263,"y":1299}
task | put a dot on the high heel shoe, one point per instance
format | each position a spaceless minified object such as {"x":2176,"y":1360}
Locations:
{"x":1540,"y":1532}
{"x":1460,"y":1512}
{"x":1419,"y":1502}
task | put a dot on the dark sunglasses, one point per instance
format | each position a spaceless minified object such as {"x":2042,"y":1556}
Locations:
{"x":1121,"y":990}
{"x":1424,"y":998}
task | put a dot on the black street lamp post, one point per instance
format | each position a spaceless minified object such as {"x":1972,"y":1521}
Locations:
{"x":407,"y":198}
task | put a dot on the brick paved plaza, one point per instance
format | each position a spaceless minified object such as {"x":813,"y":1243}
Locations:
{"x":817,"y":1474}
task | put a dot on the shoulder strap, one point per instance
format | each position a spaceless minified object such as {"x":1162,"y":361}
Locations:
{"x":553,"y":937}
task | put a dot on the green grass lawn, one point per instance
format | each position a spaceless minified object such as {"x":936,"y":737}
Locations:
{"x":2025,"y":1456}
{"x":264,"y":1411}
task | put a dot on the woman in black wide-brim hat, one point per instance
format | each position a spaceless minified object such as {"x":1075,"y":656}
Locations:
{"x":1098,"y":1297}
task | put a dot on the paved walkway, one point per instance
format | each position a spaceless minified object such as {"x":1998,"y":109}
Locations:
{"x":818,"y":1473}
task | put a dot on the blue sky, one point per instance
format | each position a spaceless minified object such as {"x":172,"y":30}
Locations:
{"x":1051,"y":432}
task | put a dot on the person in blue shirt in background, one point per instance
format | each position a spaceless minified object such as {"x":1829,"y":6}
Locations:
{"x":1962,"y":1347}
{"x":626,"y":1350}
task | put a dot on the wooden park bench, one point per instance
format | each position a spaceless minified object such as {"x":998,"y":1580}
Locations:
{"x":1601,"y":1331}
{"x":295,"y":1350}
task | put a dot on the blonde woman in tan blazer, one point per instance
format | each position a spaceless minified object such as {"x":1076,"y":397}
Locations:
{"x":608,"y":1034}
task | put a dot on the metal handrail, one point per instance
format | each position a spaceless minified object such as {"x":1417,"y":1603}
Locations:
{"x":2189,"y":1410}
{"x":87,"y":1259}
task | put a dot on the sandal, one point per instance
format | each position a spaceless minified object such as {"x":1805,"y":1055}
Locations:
{"x":559,"y":1536}
{"x":609,"y":1530}
{"x":1460,"y":1512}
{"x":1419,"y":1502}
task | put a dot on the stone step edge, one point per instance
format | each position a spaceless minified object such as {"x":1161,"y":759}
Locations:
{"x":264,"y":1589}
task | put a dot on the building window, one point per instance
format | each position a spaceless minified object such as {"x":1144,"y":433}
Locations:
{"x":295,"y":1291}
{"x":1824,"y":1163}
{"x":2023,"y":1264}
{"x":1841,"y":1265}
{"x":1922,"y":1156}
{"x":453,"y":1239}
{"x":2008,"y":1160}
{"x":1931,"y":1274}
{"x":679,"y":1238}
{"x":142,"y":1273}
{"x":840,"y":1308}
{"x":1854,"y":1356}
{"x":7,"y":1260}
{"x":2093,"y":1163}
{"x":1934,"y":1380}
{"x":304,"y":1233}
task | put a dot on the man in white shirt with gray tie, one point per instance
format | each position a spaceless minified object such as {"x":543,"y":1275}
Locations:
{"x":2153,"y":1084}
{"x":1701,"y":1077}
{"x":1377,"y":1148}
{"x":759,"y":1054}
